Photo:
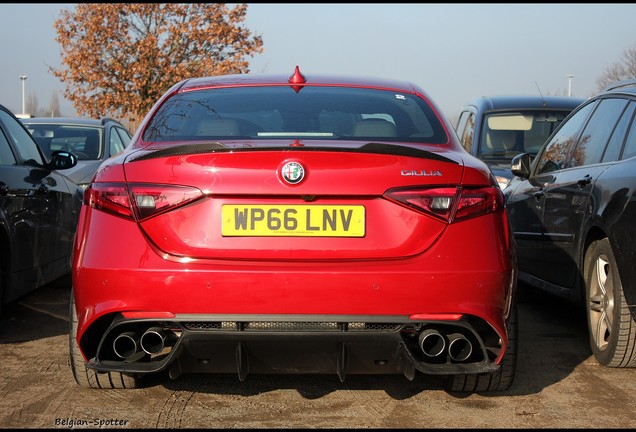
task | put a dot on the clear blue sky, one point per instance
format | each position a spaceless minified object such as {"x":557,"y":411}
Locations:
{"x":455,"y":51}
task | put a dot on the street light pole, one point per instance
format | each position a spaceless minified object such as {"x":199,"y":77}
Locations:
{"x":23,"y":79}
{"x":569,"y":77}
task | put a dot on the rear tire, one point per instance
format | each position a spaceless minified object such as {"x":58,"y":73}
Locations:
{"x":86,"y":377}
{"x":500,"y":380}
{"x":611,"y":326}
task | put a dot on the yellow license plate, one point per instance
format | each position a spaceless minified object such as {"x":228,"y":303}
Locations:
{"x":293,"y":220}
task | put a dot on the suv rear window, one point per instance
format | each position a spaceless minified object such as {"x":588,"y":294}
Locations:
{"x":511,"y":133}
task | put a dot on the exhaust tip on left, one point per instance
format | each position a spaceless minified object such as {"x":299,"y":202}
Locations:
{"x":125,"y":345}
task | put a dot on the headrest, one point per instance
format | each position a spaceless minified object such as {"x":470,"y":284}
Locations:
{"x":218,"y":127}
{"x":374,"y":128}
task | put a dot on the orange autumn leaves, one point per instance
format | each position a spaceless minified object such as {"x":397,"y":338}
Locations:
{"x":119,"y":58}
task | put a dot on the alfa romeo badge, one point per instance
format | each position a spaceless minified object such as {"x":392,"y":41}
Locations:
{"x":293,"y":172}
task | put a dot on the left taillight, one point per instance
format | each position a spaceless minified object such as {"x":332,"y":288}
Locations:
{"x":450,"y":204}
{"x":138,"y":201}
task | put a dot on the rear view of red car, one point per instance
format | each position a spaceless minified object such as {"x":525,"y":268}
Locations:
{"x":294,"y":224}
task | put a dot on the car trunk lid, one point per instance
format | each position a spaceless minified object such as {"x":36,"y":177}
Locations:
{"x":249,"y":208}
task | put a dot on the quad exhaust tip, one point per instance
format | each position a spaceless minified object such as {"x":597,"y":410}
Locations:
{"x":435,"y":344}
{"x":459,"y":347}
{"x":432,"y":342}
{"x":125,"y":345}
{"x":152,"y":342}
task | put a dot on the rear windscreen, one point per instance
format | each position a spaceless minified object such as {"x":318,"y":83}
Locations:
{"x":277,"y":112}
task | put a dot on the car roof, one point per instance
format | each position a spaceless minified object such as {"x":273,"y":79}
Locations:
{"x":297,"y":78}
{"x":63,"y":120}
{"x":626,"y":86}
{"x":494,"y":103}
{"x":76,"y":121}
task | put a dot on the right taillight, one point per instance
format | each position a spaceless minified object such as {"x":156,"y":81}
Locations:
{"x":450,"y":204}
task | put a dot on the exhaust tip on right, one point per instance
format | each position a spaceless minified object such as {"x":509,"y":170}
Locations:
{"x":153,"y":340}
{"x":459,"y":347}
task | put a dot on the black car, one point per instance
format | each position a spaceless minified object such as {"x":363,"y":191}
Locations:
{"x":496,"y":128}
{"x":39,"y":210}
{"x":573,"y":214}
{"x":91,"y":140}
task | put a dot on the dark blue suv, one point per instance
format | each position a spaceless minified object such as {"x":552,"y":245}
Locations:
{"x":496,"y":128}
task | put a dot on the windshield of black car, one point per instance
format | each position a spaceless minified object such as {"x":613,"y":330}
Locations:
{"x":279,"y":112}
{"x":505,"y":135}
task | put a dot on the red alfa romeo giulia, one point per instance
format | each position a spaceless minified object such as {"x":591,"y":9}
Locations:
{"x":294,"y":224}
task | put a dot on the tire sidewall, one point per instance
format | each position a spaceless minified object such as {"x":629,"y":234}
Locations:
{"x":597,"y":248}
{"x":77,"y":368}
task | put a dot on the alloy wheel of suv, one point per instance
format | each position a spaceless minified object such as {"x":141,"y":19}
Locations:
{"x":611,"y":327}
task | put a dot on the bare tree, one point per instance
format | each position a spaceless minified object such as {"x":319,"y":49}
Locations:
{"x":31,"y":104}
{"x":119,"y":58}
{"x":623,"y":69}
{"x":54,"y":106}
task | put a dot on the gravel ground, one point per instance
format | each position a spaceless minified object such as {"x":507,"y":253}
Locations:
{"x":558,"y":385}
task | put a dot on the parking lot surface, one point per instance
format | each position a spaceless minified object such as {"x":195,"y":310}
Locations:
{"x":558,"y":385}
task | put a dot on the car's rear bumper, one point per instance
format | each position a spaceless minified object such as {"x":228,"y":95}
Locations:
{"x":241,"y":322}
{"x":456,"y":287}
{"x":290,"y":344}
